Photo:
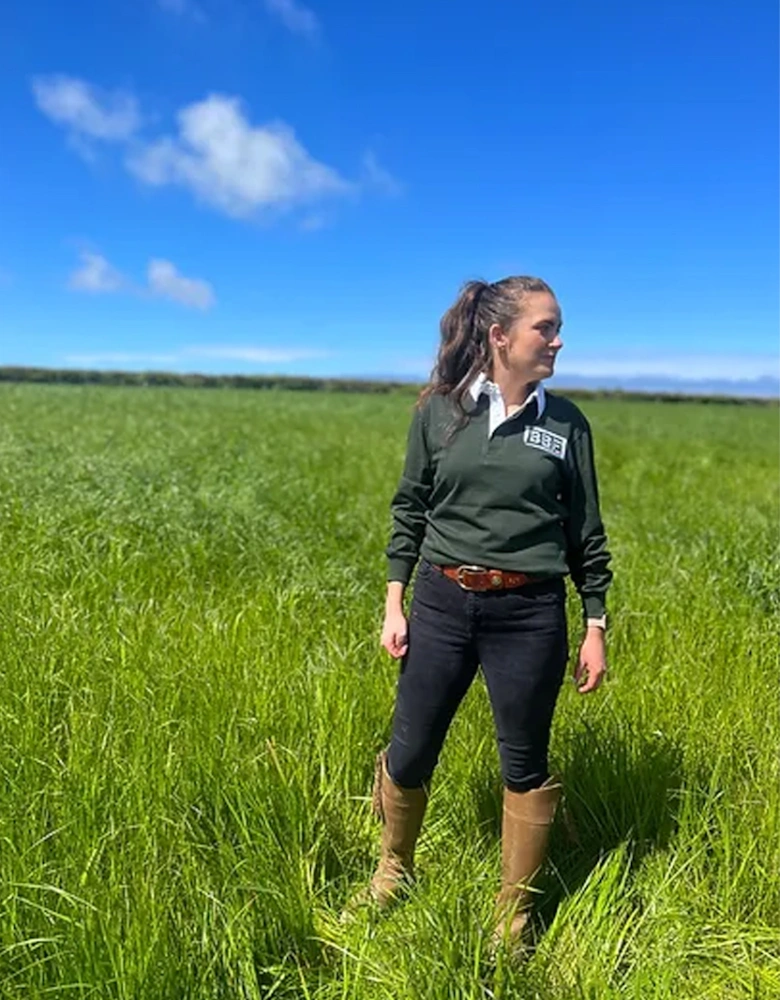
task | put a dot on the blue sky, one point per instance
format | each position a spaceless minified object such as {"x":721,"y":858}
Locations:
{"x":268,"y":186}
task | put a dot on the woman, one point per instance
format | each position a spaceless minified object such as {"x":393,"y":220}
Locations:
{"x":499,"y":501}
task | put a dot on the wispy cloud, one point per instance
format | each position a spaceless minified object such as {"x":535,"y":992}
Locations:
{"x":296,"y":17}
{"x":258,"y":355}
{"x":120,"y":358}
{"x":182,"y":8}
{"x":377,"y":177}
{"x":166,"y":282}
{"x":97,"y":276}
{"x":87,"y":111}
{"x":187,"y":357}
{"x":314,"y":222}
{"x":235,"y":166}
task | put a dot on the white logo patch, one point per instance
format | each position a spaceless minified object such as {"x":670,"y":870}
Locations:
{"x":554,"y":444}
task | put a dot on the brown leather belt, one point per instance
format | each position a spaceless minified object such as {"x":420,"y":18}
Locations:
{"x":481,"y":578}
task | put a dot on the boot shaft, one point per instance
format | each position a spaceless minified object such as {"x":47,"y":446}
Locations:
{"x":525,"y":832}
{"x":401,"y":811}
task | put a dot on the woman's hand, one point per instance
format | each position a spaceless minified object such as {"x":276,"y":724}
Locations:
{"x":395,"y":635}
{"x":591,"y":664}
{"x":395,"y":632}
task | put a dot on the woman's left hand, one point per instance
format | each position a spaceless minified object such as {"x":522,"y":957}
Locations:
{"x":591,"y":664}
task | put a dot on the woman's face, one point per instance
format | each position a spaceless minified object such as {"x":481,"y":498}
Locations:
{"x":529,"y":347}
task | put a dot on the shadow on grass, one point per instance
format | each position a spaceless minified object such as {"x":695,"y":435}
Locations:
{"x":620,"y":786}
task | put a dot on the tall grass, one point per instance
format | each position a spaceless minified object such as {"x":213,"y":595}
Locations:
{"x":193,"y":693}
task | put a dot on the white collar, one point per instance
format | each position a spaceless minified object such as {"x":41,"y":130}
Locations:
{"x":497,"y":408}
{"x":483,"y":384}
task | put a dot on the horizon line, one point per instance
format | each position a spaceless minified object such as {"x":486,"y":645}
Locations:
{"x":768,"y":385}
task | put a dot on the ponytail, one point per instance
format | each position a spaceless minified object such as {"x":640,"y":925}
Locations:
{"x":463,"y":353}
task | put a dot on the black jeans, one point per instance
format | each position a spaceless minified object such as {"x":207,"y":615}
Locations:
{"x":517,"y":636}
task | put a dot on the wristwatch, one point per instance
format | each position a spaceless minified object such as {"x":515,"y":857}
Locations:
{"x":597,"y":623}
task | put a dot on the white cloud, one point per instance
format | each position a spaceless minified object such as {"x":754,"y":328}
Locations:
{"x":217,"y":153}
{"x":258,"y":355}
{"x":296,"y":17}
{"x":96,"y":275}
{"x":377,"y":177}
{"x":233,"y":165}
{"x":165,"y":281}
{"x":86,"y":111}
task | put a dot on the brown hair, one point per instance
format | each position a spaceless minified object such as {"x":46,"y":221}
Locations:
{"x":464,"y":350}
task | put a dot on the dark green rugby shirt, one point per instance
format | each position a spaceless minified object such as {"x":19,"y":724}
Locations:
{"x":523,"y":498}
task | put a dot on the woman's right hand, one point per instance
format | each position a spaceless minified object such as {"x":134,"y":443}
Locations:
{"x":395,"y":636}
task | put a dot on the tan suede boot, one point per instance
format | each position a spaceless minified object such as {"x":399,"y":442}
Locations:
{"x":401,"y":811}
{"x":525,"y":831}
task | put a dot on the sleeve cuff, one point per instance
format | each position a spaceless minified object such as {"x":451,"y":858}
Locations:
{"x":399,"y":571}
{"x":594,"y":605}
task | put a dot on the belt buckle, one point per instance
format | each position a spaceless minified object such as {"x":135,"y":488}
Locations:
{"x":462,"y":570}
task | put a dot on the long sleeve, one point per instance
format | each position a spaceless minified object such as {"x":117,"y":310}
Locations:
{"x":588,"y":557}
{"x":410,"y":504}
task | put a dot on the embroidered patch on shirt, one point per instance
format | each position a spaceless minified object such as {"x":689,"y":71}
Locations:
{"x":544,"y":440}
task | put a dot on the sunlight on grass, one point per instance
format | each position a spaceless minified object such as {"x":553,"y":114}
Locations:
{"x":193,"y":695}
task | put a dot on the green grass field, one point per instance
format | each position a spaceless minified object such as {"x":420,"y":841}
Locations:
{"x":193,"y":694}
